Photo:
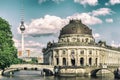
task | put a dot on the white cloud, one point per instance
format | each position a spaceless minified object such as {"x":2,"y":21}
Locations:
{"x":34,"y":44}
{"x":89,"y":2}
{"x":86,"y":18}
{"x":47,"y":25}
{"x":109,"y":20}
{"x":96,"y":35}
{"x":53,"y":24}
{"x":115,"y":44}
{"x":101,"y":11}
{"x":35,"y":47}
{"x":113,"y":2}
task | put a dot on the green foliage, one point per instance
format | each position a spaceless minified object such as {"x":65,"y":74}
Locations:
{"x":8,"y":53}
{"x":34,"y":60}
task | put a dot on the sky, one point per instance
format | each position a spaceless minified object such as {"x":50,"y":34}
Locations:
{"x":45,"y":18}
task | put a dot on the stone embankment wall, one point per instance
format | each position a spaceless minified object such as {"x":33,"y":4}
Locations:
{"x":85,"y":71}
{"x":77,"y":72}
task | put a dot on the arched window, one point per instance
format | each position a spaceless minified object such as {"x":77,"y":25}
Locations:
{"x":82,"y":52}
{"x":72,"y":54}
{"x":90,"y":52}
{"x":78,"y":40}
{"x":86,"y":39}
{"x":68,"y":40}
{"x":82,"y":40}
{"x":64,"y":51}
{"x":90,"y":61}
{"x":96,"y":60}
{"x":82,"y":61}
{"x":73,"y":58}
{"x":57,"y":61}
{"x":64,"y":61}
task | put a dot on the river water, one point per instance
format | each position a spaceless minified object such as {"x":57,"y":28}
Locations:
{"x":35,"y":75}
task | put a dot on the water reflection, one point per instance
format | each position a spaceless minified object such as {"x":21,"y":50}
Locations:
{"x":36,"y":75}
{"x":52,"y":78}
{"x":27,"y":73}
{"x":83,"y":78}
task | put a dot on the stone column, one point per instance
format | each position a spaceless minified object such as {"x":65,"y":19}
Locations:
{"x":54,"y":58}
{"x":86,"y":59}
{"x":102,"y":56}
{"x":66,"y":57}
{"x":60,"y":58}
{"x":69,"y":57}
{"x":60,"y":61}
{"x":78,"y":57}
{"x":98,"y":56}
{"x":93,"y":57}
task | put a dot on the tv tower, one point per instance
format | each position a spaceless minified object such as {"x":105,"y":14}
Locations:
{"x":22,"y":28}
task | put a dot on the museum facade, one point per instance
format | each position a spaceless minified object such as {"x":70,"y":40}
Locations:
{"x":77,"y":47}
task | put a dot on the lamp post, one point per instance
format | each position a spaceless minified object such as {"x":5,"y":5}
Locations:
{"x":22,"y":28}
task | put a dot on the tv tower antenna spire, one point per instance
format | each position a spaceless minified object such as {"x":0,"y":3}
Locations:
{"x":22,"y":27}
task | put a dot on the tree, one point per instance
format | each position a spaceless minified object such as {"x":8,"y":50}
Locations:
{"x":8,"y":52}
{"x":34,"y":60}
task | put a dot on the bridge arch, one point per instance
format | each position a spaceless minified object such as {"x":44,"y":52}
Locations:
{"x":47,"y":69}
{"x":95,"y":71}
{"x":47,"y":72}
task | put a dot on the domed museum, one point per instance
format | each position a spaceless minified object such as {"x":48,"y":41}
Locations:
{"x":77,"y":47}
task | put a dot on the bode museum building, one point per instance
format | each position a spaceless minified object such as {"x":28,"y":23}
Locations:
{"x":77,"y":47}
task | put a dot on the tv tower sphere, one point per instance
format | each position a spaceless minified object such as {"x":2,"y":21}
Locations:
{"x":22,"y":27}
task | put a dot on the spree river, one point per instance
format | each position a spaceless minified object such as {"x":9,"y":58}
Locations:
{"x":34,"y":75}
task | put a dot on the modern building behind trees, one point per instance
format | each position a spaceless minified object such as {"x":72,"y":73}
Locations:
{"x":77,"y":47}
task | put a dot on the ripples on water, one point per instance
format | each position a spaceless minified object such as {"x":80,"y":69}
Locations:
{"x":35,"y":75}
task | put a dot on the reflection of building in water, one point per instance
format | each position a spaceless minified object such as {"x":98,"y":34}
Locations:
{"x":76,"y":46}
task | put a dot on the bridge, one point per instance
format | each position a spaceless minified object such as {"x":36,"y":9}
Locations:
{"x":93,"y":71}
{"x":103,"y":71}
{"x":46,"y":69}
{"x":49,"y":69}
